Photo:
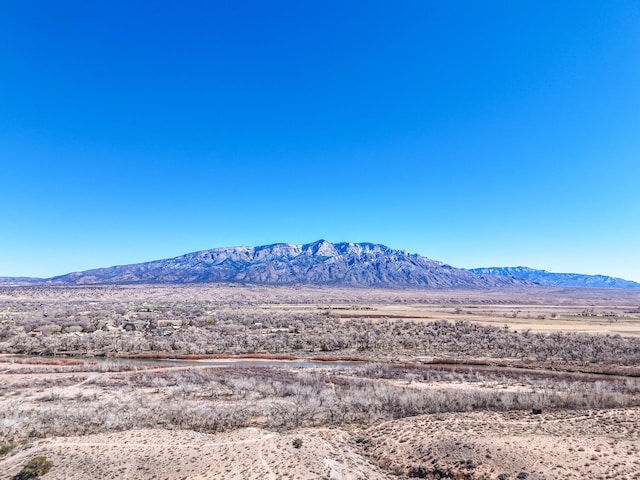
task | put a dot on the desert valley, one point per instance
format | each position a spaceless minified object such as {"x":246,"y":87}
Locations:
{"x":458,"y":181}
{"x":510,"y":380}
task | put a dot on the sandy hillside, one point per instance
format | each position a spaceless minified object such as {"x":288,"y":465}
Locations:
{"x":481,"y":445}
{"x":517,"y":445}
{"x":249,"y":453}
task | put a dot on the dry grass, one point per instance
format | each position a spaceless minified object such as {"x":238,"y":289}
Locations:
{"x":397,"y":417}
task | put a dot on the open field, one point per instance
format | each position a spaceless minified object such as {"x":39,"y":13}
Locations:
{"x":541,"y":309}
{"x":446,"y":387}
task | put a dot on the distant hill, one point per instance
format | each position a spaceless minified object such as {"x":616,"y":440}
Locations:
{"x":542,"y":277}
{"x":20,"y":280}
{"x":317,"y":263}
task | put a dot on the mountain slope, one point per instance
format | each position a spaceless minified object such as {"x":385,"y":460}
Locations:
{"x":318,"y":263}
{"x":19,"y":280}
{"x":544,"y":277}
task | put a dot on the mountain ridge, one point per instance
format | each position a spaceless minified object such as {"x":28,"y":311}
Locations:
{"x":317,"y":263}
{"x":320,"y":263}
{"x":544,"y":277}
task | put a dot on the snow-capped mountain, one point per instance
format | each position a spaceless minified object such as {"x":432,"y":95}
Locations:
{"x":317,"y":263}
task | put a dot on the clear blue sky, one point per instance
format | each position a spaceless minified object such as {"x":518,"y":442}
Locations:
{"x":475,"y":133}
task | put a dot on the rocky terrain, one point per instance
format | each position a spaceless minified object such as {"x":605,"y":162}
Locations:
{"x":321,"y":263}
{"x":318,"y":263}
{"x":543,"y":277}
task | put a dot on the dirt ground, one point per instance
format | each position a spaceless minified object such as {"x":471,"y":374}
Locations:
{"x":249,"y":453}
{"x":513,"y":445}
{"x":553,"y":445}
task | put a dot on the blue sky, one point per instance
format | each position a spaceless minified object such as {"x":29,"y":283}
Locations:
{"x":475,"y":133}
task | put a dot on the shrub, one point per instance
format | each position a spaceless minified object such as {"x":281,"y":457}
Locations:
{"x":297,"y":443}
{"x":6,"y":448}
{"x":34,"y":468}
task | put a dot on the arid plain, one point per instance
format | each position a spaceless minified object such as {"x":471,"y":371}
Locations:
{"x":228,"y":381}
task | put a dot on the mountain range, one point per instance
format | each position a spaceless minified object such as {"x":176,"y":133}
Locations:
{"x":542,"y":277}
{"x":319,"y":263}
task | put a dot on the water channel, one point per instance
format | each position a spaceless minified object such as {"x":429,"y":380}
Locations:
{"x":338,"y":364}
{"x":341,"y":364}
{"x":230,"y":362}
